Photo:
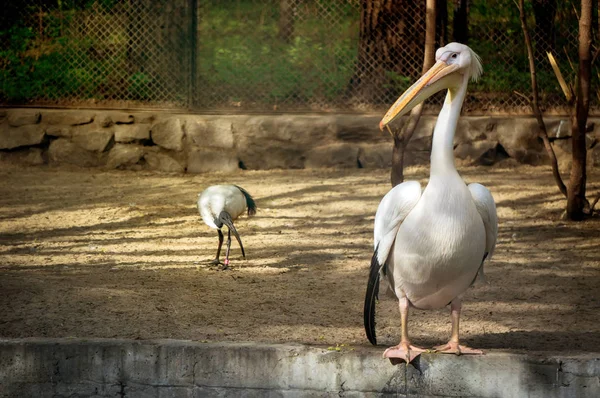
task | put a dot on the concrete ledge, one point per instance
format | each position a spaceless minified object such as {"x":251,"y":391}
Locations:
{"x":171,"y":368}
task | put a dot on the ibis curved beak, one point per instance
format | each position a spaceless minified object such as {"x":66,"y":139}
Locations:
{"x":430,"y":83}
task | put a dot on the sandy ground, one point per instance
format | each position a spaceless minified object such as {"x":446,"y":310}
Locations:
{"x":125,"y":255}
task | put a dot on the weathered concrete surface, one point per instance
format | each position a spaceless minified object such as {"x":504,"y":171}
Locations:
{"x":169,"y":368}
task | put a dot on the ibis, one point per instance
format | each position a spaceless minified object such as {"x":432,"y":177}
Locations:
{"x":221,"y":205}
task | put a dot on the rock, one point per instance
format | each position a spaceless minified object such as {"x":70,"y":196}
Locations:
{"x":333,"y":155}
{"x":424,"y":130}
{"x":413,"y":158}
{"x":213,"y":133}
{"x":507,"y":163}
{"x":104,"y":121}
{"x":477,"y":152}
{"x":595,"y":133}
{"x":161,"y":161}
{"x":590,"y":140}
{"x":205,"y":160}
{"x":562,"y":151}
{"x":284,"y":157}
{"x":420,"y":143}
{"x":28,"y":156}
{"x":564,"y":155}
{"x":380,"y":156}
{"x":375,"y":156}
{"x":519,"y":138}
{"x":123,"y":155}
{"x":359,"y":129}
{"x":594,"y":156}
{"x":112,"y":118}
{"x":121,"y":118}
{"x":25,"y":135}
{"x":281,"y":141}
{"x":17,"y":118}
{"x":59,"y":131}
{"x":144,"y":118}
{"x":92,"y":138}
{"x":558,"y":128}
{"x":474,"y":129}
{"x":64,"y":151}
{"x":131,"y":132}
{"x":71,"y":118}
{"x":168,"y":134}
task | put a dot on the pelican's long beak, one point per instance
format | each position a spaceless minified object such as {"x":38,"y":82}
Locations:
{"x":430,"y":83}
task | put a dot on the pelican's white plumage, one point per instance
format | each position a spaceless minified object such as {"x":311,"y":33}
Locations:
{"x":431,"y":243}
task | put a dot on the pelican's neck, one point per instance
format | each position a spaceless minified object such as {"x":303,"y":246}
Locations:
{"x":442,"y":148}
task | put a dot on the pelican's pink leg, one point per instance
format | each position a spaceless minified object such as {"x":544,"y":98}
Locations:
{"x":403,"y":351}
{"x":453,"y":346}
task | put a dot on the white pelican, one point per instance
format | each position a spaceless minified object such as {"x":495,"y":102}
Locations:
{"x":430,"y":244}
{"x":220,"y":205}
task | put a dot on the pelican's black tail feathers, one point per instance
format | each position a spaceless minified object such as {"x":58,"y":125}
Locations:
{"x":371,"y":299}
{"x":250,"y":203}
{"x":225,"y":218}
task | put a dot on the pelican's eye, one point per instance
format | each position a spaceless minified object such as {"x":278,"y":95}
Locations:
{"x":454,"y":55}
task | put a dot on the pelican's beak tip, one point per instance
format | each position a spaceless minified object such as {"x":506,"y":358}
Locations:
{"x":381,"y":125}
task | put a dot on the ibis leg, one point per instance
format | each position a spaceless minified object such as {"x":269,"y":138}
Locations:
{"x":226,"y":263}
{"x":216,"y":260}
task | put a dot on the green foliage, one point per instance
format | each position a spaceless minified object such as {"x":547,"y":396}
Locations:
{"x":140,"y":86}
{"x":240,"y":56}
{"x":43,"y":62}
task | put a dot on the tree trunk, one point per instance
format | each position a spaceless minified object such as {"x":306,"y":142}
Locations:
{"x":576,"y":200}
{"x":441,"y":23}
{"x":401,"y":139}
{"x":286,"y":20}
{"x":391,"y":37}
{"x":545,"y":32}
{"x":460,"y":26}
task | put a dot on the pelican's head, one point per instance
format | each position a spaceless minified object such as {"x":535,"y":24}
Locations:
{"x":454,"y":62}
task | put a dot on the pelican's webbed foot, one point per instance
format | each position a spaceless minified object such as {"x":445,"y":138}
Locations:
{"x":403,"y":352}
{"x":454,"y":348}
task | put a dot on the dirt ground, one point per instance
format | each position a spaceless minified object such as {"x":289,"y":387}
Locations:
{"x":125,"y":255}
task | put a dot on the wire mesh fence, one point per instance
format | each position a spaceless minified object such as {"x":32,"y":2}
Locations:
{"x":118,"y":53}
{"x":271,"y":55}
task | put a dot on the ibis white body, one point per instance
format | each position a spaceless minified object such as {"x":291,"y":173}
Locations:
{"x":217,"y":198}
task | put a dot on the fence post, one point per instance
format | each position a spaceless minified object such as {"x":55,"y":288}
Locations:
{"x":194,"y":53}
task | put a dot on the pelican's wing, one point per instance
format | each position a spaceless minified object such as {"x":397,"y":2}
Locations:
{"x":487,"y":210}
{"x":392,"y":210}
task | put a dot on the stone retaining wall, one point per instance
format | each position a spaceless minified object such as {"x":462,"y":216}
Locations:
{"x":197,"y":144}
